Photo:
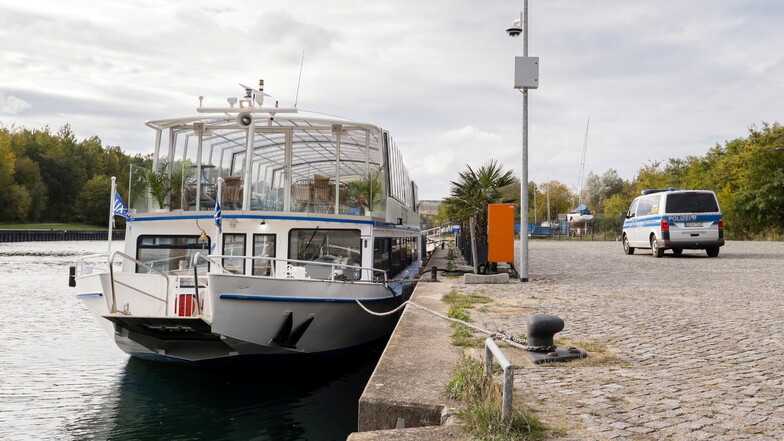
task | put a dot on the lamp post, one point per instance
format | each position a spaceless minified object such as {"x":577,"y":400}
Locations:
{"x":526,"y":77}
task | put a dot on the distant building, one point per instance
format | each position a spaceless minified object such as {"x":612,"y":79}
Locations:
{"x":429,"y":207}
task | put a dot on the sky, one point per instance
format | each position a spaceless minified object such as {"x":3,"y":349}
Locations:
{"x":658,"y":79}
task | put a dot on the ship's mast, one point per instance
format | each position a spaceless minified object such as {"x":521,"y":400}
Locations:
{"x":582,"y":165}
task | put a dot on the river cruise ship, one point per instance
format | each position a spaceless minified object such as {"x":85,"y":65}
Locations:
{"x":259,"y":233}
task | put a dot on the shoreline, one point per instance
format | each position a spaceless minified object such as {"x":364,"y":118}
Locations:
{"x":42,"y":235}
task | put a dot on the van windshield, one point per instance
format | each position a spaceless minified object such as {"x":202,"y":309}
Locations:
{"x":692,"y":203}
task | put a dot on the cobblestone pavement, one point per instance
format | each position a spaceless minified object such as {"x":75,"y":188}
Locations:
{"x":699,"y":340}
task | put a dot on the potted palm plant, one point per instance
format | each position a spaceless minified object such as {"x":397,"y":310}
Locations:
{"x":469,"y":197}
{"x":366,"y":191}
{"x":159,"y":183}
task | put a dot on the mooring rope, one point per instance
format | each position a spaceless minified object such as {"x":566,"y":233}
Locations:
{"x":500,"y":334}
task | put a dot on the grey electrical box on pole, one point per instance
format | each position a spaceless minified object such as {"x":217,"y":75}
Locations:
{"x":526,"y":73}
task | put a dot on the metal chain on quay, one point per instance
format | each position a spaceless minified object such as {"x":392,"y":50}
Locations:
{"x":500,"y":334}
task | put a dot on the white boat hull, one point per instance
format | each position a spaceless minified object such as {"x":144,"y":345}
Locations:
{"x":254,"y":310}
{"x":250,"y":319}
{"x":578,"y":220}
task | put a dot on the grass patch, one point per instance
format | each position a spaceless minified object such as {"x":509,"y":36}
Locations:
{"x":480,"y":397}
{"x":50,"y":226}
{"x":464,"y":300}
{"x":599,"y":354}
{"x":465,"y":337}
{"x":458,"y":305}
{"x":456,"y":312}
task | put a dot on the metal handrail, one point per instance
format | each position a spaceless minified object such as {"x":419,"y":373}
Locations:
{"x":492,"y":349}
{"x":195,"y":260}
{"x":110,"y":262}
{"x":80,"y":264}
{"x":332,"y":266}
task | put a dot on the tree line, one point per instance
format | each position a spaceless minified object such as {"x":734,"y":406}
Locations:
{"x":53,"y":177}
{"x":746,"y":173}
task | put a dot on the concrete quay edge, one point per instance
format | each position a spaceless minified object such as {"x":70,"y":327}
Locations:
{"x":411,"y":374}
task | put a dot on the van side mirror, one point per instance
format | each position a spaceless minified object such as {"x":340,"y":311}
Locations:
{"x":624,"y":215}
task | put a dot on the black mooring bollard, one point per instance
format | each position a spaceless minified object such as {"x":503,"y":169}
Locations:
{"x":542,"y":328}
{"x":72,"y":276}
{"x":434,"y":274}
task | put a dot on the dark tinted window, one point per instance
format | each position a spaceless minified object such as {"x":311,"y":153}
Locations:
{"x":325,"y":247}
{"x":170,"y":254}
{"x":692,"y":203}
{"x":381,"y":251}
{"x":234,"y":245}
{"x":263,"y":246}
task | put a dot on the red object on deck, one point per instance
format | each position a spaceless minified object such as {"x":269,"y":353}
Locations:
{"x":186,"y":305}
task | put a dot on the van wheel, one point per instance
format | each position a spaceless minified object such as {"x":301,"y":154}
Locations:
{"x":655,"y":249}
{"x":626,"y":248}
{"x":712,"y":252}
{"x":677,"y":251}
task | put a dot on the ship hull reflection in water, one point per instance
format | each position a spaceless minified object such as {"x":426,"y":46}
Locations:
{"x":277,"y":402}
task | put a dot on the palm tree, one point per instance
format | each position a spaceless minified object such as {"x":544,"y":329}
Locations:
{"x":474,"y":191}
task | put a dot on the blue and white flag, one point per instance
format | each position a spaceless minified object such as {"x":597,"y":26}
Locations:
{"x":120,"y":209}
{"x":218,"y":220}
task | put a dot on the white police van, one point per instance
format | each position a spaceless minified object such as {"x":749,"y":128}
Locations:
{"x":674,"y":219}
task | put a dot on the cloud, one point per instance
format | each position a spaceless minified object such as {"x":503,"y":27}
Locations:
{"x":11,"y":105}
{"x":658,"y":79}
{"x":441,"y":156}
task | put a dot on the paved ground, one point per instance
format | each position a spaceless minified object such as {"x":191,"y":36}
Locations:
{"x":698,"y":340}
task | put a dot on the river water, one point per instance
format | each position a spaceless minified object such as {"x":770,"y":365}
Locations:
{"x":62,"y":378}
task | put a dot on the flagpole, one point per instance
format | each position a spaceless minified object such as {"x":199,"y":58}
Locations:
{"x":219,"y":217}
{"x":111,"y":212}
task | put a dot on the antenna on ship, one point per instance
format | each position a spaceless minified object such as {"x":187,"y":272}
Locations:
{"x":302,"y":63}
{"x":252,"y":96}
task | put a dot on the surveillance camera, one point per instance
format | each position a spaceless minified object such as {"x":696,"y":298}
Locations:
{"x":514,"y":30}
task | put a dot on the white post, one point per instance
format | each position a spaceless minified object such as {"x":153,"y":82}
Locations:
{"x":111,"y":212}
{"x":524,"y":174}
{"x":246,"y":196}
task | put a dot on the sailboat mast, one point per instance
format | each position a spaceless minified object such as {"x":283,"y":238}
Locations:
{"x":582,"y":165}
{"x":548,"y":204}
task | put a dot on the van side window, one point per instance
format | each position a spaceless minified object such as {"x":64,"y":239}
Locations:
{"x":644,"y":207}
{"x":633,"y":209}
{"x":648,"y":205}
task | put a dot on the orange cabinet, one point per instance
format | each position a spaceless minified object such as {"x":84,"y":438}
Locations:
{"x":500,"y":232}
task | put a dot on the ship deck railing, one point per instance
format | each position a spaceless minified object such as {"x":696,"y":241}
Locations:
{"x":283,"y":268}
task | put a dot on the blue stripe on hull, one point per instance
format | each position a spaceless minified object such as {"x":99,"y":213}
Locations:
{"x":90,"y":294}
{"x":297,"y":299}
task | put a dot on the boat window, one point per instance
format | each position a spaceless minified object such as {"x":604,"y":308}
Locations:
{"x":381,"y":251}
{"x":234,"y":245}
{"x":325,"y":248}
{"x":399,"y":181}
{"x":170,"y":254}
{"x":396,"y":263}
{"x":263,"y":246}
